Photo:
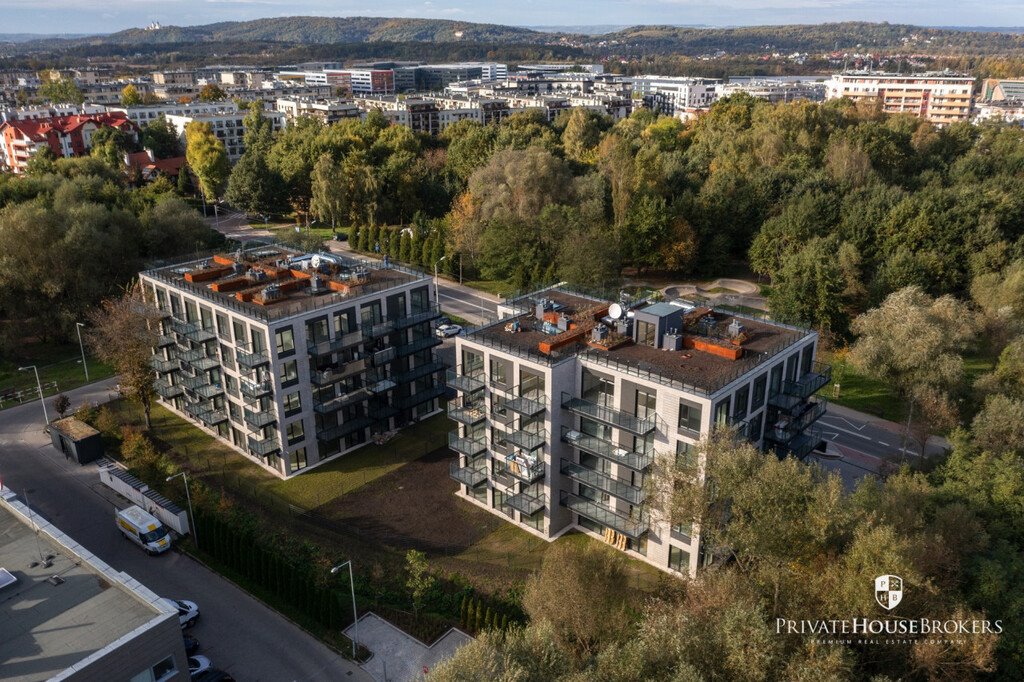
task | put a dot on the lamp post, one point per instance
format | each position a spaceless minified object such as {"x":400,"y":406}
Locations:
{"x":188,"y":497}
{"x":437,"y":296}
{"x":39,"y":386}
{"x":355,"y":616}
{"x":81,"y":346}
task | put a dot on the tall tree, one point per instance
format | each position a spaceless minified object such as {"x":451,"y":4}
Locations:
{"x":161,"y":138}
{"x":61,"y":91}
{"x":207,"y":158}
{"x":212,"y":93}
{"x":130,"y":96}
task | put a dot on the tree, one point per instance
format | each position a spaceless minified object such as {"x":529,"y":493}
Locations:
{"x":207,"y":158}
{"x":110,"y":145}
{"x":130,"y":96}
{"x":252,"y":186}
{"x":581,"y":592}
{"x":61,"y":403}
{"x":61,"y":91}
{"x":212,"y":93}
{"x":123,"y":334}
{"x":329,"y":202}
{"x":161,"y":138}
{"x":419,"y":580}
{"x":582,"y":134}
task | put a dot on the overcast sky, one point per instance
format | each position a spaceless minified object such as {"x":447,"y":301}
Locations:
{"x":89,"y":16}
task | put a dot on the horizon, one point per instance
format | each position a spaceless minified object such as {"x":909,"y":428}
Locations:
{"x":80,"y":17}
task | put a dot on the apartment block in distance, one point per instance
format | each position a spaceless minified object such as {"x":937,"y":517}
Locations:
{"x":228,"y":125}
{"x":67,"y":615}
{"x":565,"y":404}
{"x":940,"y":98}
{"x":294,"y":358}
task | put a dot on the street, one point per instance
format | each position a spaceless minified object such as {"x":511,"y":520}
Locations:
{"x":238,"y":633}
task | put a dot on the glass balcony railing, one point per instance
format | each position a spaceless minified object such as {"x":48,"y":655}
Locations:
{"x":417,"y":345}
{"x":526,"y":503}
{"x":603,"y":482}
{"x":254,"y":390}
{"x":164,"y":366}
{"x":470,"y":415}
{"x":465,"y":384}
{"x":192,"y":331}
{"x":204,"y":364}
{"x":418,"y":372}
{"x":164,"y":340}
{"x":527,"y":440}
{"x":265,"y":446}
{"x":417,"y":318}
{"x":166,"y":390}
{"x":788,"y":426}
{"x":527,"y":406}
{"x":632,"y":528}
{"x":467,"y":475}
{"x":526,"y":469}
{"x":257,"y":419}
{"x":471,"y":447}
{"x":194,"y":382}
{"x":605,"y":449}
{"x":338,"y":402}
{"x":817,"y":378}
{"x":607,"y":415}
{"x":420,"y":397}
{"x":332,"y":375}
{"x":251,"y":359}
{"x":328,"y":346}
{"x":210,"y":390}
{"x":349,"y":426}
{"x":800,"y":446}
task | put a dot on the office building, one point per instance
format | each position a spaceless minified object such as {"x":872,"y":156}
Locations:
{"x":67,"y":615}
{"x":292,"y":358}
{"x":566,"y":402}
{"x":941,"y":98}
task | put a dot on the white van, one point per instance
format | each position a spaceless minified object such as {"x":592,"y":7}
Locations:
{"x":144,"y":529}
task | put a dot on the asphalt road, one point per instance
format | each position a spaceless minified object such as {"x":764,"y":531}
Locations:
{"x":238,"y":633}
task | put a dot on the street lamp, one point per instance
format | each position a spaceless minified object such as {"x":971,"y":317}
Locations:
{"x":188,"y":497}
{"x":355,"y":616}
{"x":39,"y":386}
{"x":81,"y":346}
{"x":437,"y":296}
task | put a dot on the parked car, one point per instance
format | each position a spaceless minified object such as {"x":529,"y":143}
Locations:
{"x":198,"y":665}
{"x":188,"y":611}
{"x":212,"y":675}
{"x":191,"y":644}
{"x":447,"y":330}
{"x":441,"y":321}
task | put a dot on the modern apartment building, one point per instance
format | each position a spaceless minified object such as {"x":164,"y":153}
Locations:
{"x":666,"y":94}
{"x":69,"y":616}
{"x":228,"y":125}
{"x":144,"y":114}
{"x":941,"y":98}
{"x":294,"y":358}
{"x":327,"y":109}
{"x":566,"y":402}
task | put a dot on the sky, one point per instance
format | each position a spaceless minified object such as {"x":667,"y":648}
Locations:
{"x":104,"y":16}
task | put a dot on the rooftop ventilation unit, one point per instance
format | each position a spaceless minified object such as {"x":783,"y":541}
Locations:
{"x":672,"y":340}
{"x":735,"y":329}
{"x":599,"y":333}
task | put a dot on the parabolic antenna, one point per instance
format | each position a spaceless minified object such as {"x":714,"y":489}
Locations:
{"x":314,"y":262}
{"x":615,"y":311}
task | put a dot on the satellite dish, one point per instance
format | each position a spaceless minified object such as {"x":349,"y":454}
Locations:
{"x":615,"y":311}
{"x":315,"y":261}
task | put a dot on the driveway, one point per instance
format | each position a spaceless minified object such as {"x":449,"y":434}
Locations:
{"x":238,"y":633}
{"x":397,"y":655}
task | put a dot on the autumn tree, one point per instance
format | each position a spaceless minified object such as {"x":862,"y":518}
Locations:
{"x":207,"y":158}
{"x":212,"y":93}
{"x":130,"y":96}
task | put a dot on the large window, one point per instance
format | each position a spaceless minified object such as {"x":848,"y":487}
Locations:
{"x":760,"y":387}
{"x":223,"y":328}
{"x":598,"y":389}
{"x":289,"y":372}
{"x":292,"y":404}
{"x":689,"y":416}
{"x":241,"y":337}
{"x":472,"y":363}
{"x":164,"y":670}
{"x":531,"y":384}
{"x":297,"y":459}
{"x":686,"y":454}
{"x":739,"y":409}
{"x":259,"y":341}
{"x":296,"y":432}
{"x":498,"y":374}
{"x":776,"y":378}
{"x":721,"y":412}
{"x":678,"y":559}
{"x":284,"y":339}
{"x":647,"y":333}
{"x":646,"y":404}
{"x":806,"y":359}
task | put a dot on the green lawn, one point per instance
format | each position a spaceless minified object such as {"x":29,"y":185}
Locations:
{"x":282,"y":231}
{"x":498,"y":287}
{"x":59,"y":363}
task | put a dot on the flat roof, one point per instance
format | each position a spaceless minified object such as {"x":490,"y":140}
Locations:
{"x":270,"y":282}
{"x":54,"y":617}
{"x":74,"y":428}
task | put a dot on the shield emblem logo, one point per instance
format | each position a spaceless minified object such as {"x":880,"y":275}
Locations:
{"x":888,"y":591}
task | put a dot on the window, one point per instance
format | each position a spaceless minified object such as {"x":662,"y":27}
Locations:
{"x":176,"y":305}
{"x":292,"y":404}
{"x":721,"y":412}
{"x":682,"y":531}
{"x":535,"y":520}
{"x":806,"y":359}
{"x":498,"y":372}
{"x":241,"y":338}
{"x":285,"y":341}
{"x":646,"y":404}
{"x":531,"y":384}
{"x":739,"y":410}
{"x":289,"y":372}
{"x":206,"y":315}
{"x":164,"y":670}
{"x":791,"y":366}
{"x":227,"y":356}
{"x":689,"y":416}
{"x":776,"y":378}
{"x":297,"y":459}
{"x":760,"y":387}
{"x":230,"y":385}
{"x":317,"y":331}
{"x":191,"y":311}
{"x":296,"y":432}
{"x":686,"y":454}
{"x":472,"y":363}
{"x":598,"y":389}
{"x":646,"y":333}
{"x":259,"y":341}
{"x":499,"y":502}
{"x":678,"y":559}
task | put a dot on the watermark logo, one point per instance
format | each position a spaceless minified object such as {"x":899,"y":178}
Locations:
{"x":888,"y":591}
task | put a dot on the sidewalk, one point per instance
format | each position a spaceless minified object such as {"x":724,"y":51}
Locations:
{"x":397,"y":655}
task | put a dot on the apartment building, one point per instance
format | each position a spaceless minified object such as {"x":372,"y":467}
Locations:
{"x":435,"y":77}
{"x":144,"y":114}
{"x":327,"y":109}
{"x":666,"y":94}
{"x":940,"y":98}
{"x":179,"y":77}
{"x":292,"y":358}
{"x":566,"y":402}
{"x":227,"y":125}
{"x":71,"y":616}
{"x":65,"y":136}
{"x":773,"y":90}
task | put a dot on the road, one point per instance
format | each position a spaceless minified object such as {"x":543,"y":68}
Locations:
{"x":238,"y":633}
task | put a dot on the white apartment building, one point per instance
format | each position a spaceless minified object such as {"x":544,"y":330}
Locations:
{"x":228,"y":126}
{"x":328,"y":109}
{"x":665,"y":94}
{"x":293,"y":359}
{"x":144,"y":114}
{"x":941,"y":98}
{"x":566,"y":402}
{"x":773,"y":90}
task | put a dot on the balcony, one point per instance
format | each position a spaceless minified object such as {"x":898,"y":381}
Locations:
{"x":471,"y":447}
{"x":257,"y":419}
{"x":812,"y":381}
{"x":381,"y":412}
{"x":466,"y":383}
{"x":332,"y":375}
{"x":338,"y":402}
{"x":347,"y":427}
{"x":603,"y":482}
{"x":607,"y":415}
{"x":418,"y":372}
{"x":204,"y":364}
{"x":251,"y":360}
{"x":265,"y":446}
{"x":328,"y":346}
{"x":600,"y":514}
{"x":210,"y":390}
{"x":417,"y":345}
{"x":166,"y":390}
{"x":379,"y":358}
{"x":467,"y":475}
{"x":788,"y":426}
{"x":527,"y":440}
{"x":607,"y":450}
{"x":165,"y":340}
{"x":527,"y":407}
{"x":212,"y":417}
{"x":800,"y":446}
{"x":164,"y":366}
{"x":470,"y":415}
{"x":526,"y":503}
{"x":254,"y":390}
{"x":378,"y":330}
{"x":420,"y":397}
{"x":192,"y":354}
{"x":194,"y":382}
{"x":417,"y":318}
{"x":525,"y":469}
{"x":192,"y":331}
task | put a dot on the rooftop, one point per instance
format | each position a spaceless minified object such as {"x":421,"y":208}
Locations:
{"x":273,"y":282}
{"x":709,"y":347}
{"x":74,"y":428}
{"x":54,"y":617}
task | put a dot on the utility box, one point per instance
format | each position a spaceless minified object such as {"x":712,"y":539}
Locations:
{"x":77,"y":440}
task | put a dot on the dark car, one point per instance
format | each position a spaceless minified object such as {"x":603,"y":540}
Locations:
{"x":213,"y":675}
{"x":441,"y":321}
{"x":191,"y":644}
